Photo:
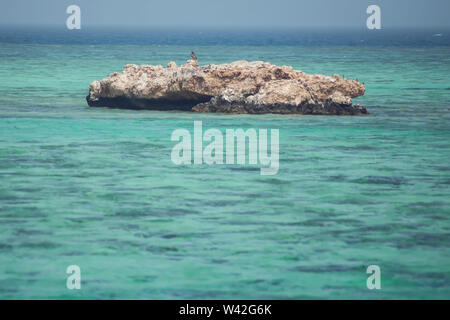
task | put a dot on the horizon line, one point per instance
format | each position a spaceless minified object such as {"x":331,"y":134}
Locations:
{"x":229,"y":27}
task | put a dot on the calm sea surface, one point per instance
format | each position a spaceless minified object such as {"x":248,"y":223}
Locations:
{"x":96,"y":187}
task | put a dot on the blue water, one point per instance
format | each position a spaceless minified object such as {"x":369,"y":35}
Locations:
{"x":96,"y":187}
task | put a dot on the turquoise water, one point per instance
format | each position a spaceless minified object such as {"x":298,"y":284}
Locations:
{"x":96,"y":187}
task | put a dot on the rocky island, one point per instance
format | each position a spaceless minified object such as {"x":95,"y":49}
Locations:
{"x":238,"y":87}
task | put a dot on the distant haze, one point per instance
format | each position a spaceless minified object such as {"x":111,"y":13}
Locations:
{"x":228,"y":13}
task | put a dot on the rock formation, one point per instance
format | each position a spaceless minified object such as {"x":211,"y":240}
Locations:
{"x":238,"y":87}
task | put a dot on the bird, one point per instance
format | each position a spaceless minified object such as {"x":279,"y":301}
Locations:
{"x":193,"y":55}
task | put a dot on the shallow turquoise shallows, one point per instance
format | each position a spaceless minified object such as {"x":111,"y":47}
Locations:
{"x":96,"y":187}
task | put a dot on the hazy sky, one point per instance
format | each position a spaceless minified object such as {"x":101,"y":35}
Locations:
{"x":248,"y":13}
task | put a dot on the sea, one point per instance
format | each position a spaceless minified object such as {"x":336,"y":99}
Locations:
{"x":96,"y":187}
